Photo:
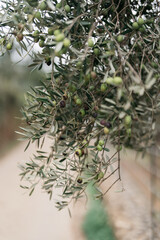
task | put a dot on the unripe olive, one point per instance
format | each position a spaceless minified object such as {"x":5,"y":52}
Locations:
{"x":78,"y":101}
{"x":41,"y":43}
{"x":37,"y":15}
{"x":140,"y":21}
{"x":36,"y":39}
{"x":142,"y":29}
{"x":27,"y":10}
{"x":110,"y":53}
{"x":99,"y":148}
{"x":129,"y":131}
{"x":96,"y":51}
{"x":54,"y":103}
{"x":103,"y":87}
{"x":91,"y":88}
{"x":109,"y":80}
{"x":59,"y":5}
{"x":43,"y":6}
{"x":117,"y":80}
{"x":106,"y":130}
{"x":67,"y":8}
{"x":82,"y":111}
{"x":72,"y":88}
{"x":66,"y":42}
{"x":90,"y":42}
{"x":128,"y":120}
{"x":9,"y":46}
{"x":50,"y":31}
{"x":57,"y":32}
{"x":120,"y":38}
{"x":79,"y":64}
{"x":135,"y":25}
{"x":59,"y":37}
{"x":36,"y":33}
{"x":75,"y":98}
{"x":101,"y":142}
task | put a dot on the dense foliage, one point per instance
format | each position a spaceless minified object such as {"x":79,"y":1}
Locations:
{"x":103,"y":86}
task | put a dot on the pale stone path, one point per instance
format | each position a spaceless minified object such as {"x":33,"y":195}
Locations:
{"x":131,"y":210}
{"x":29,"y":218}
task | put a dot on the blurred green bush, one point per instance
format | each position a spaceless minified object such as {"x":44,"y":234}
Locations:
{"x":96,"y":225}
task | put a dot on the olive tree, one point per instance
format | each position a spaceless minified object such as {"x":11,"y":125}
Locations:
{"x":103,"y":85}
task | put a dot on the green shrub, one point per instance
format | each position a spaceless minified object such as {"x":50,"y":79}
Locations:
{"x":96,"y":225}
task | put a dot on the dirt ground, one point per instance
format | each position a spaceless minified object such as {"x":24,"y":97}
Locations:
{"x":35,"y":217}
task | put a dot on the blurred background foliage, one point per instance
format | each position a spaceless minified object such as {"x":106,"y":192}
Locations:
{"x":15,"y":80}
{"x":96,"y":225}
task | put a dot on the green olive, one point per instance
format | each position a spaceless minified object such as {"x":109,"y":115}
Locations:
{"x":37,"y":15}
{"x":120,"y":38}
{"x":109,"y":80}
{"x":99,"y":148}
{"x":106,"y":130}
{"x":103,"y":87}
{"x":41,"y":43}
{"x":90,"y":42}
{"x":140,"y":21}
{"x":117,"y":80}
{"x":57,"y":32}
{"x":50,"y":31}
{"x":59,"y":5}
{"x":128,"y":120}
{"x":78,"y":101}
{"x":67,"y":8}
{"x":96,"y":51}
{"x":59,"y":37}
{"x":9,"y":46}
{"x":101,"y":142}
{"x":43,"y":6}
{"x":135,"y":25}
{"x":66,"y":42}
{"x":36,"y":33}
{"x":82,"y":111}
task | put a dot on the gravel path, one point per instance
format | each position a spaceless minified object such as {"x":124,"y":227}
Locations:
{"x":29,"y":218}
{"x":130,"y":210}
